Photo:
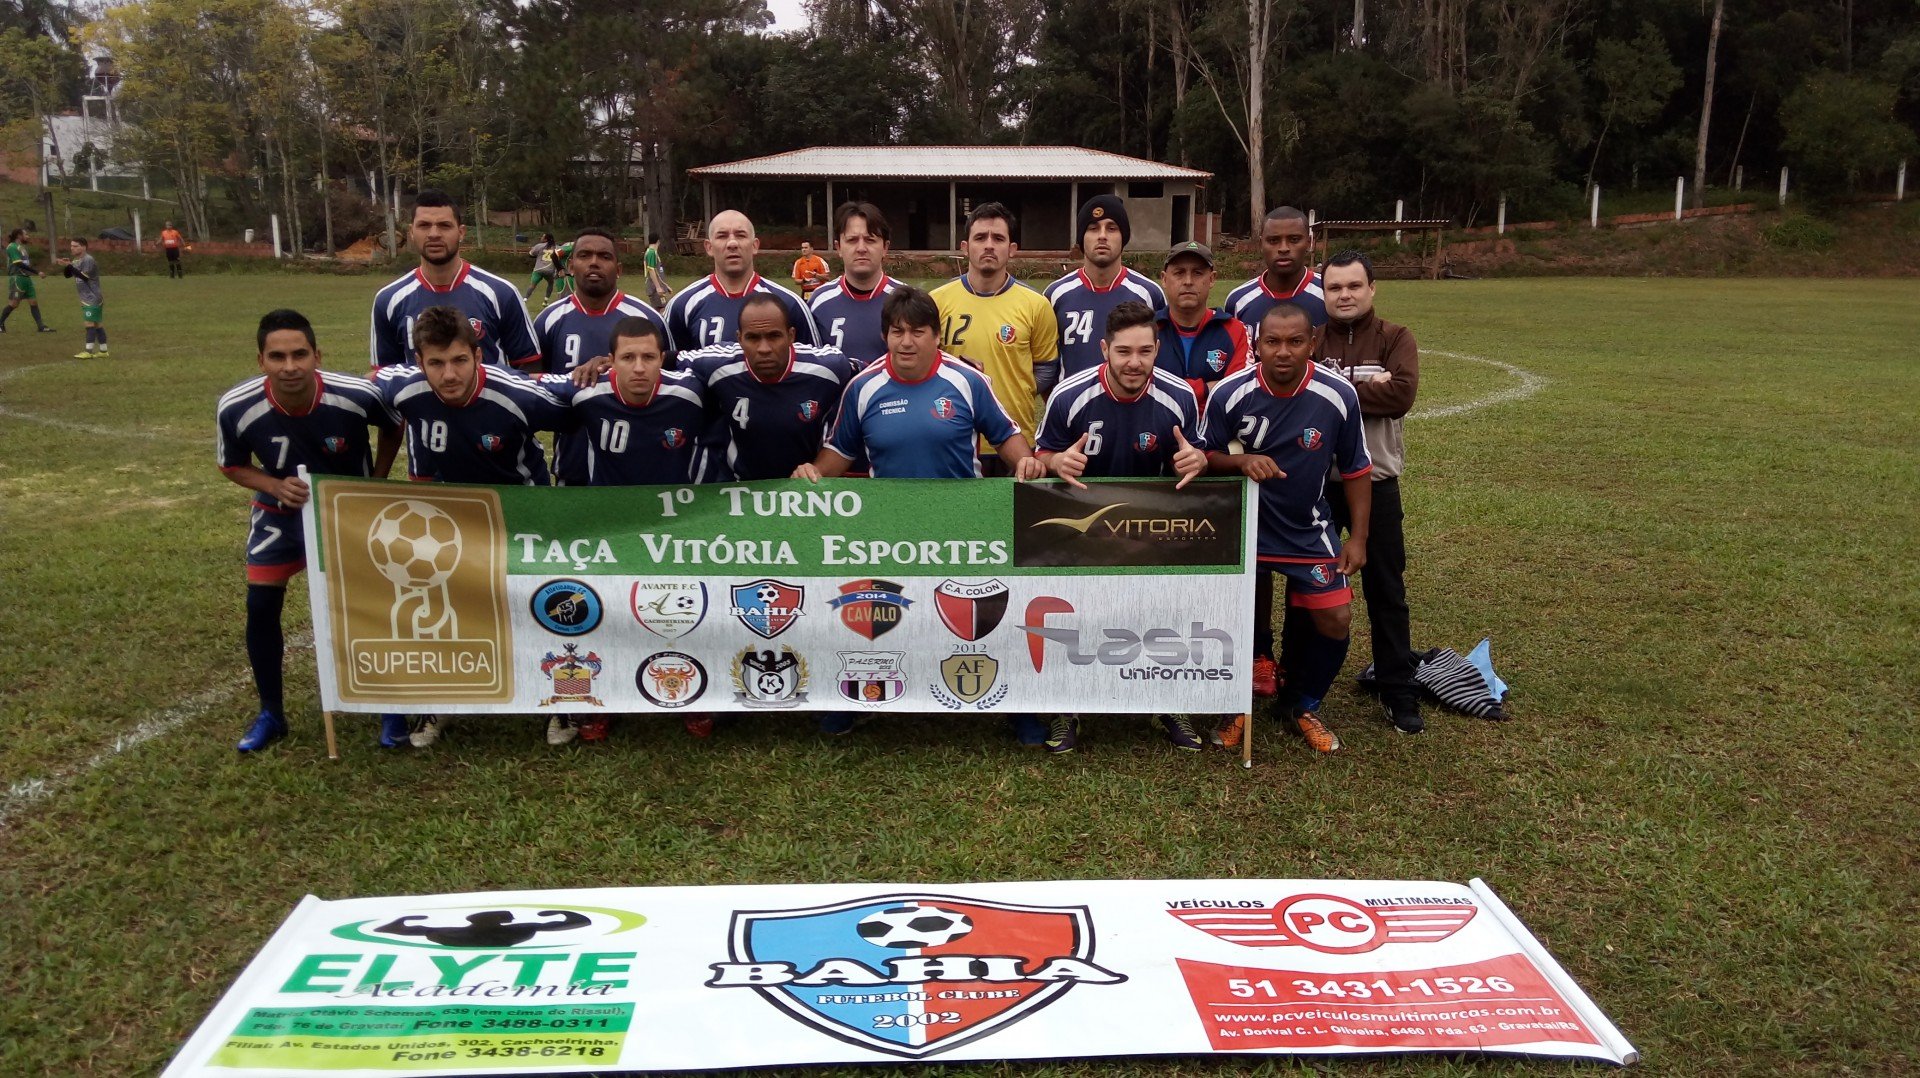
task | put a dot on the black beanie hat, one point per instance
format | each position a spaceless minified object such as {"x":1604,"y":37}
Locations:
{"x":1100,"y":208}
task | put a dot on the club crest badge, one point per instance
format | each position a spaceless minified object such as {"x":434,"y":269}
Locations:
{"x":1327,"y":923}
{"x":970,"y":611}
{"x":1323,"y":573}
{"x":1146,"y":441}
{"x":871,"y":608}
{"x":334,"y":444}
{"x":673,"y":438}
{"x":572,"y":676}
{"x":766,"y":679}
{"x":492,"y":443}
{"x":567,"y":608}
{"x":767,"y":607}
{"x":944,"y":409}
{"x":809,"y":411}
{"x":1006,"y":334}
{"x":1216,"y":360}
{"x":969,"y":679}
{"x":1311,"y":438}
{"x":911,"y":975}
{"x":671,"y":679}
{"x":872,"y":678}
{"x":669,"y":609}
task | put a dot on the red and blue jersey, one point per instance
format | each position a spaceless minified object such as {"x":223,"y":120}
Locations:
{"x":764,"y":430}
{"x":705,"y":313}
{"x":1082,"y":309}
{"x":1251,"y":301}
{"x":1215,"y":348}
{"x":571,"y":333}
{"x":328,"y":438}
{"x":488,"y":438}
{"x":638,"y":442}
{"x":1307,"y":433}
{"x":490,"y":302}
{"x":922,"y":429}
{"x":849,"y":320}
{"x":1126,"y":436}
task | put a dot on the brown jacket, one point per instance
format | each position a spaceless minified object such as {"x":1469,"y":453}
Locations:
{"x":1360,"y":350}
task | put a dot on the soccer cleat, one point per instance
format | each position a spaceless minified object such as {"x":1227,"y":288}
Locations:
{"x":837,"y":723}
{"x":561,"y":730}
{"x":1266,"y":677}
{"x":267,"y":728}
{"x":593,"y":727}
{"x":83,"y":355}
{"x":700,"y":726}
{"x":1404,"y":715}
{"x":1319,"y":738}
{"x":1180,"y":732}
{"x":1063,"y":735}
{"x":1028,"y":730}
{"x":425,"y":731}
{"x":101,"y":354}
{"x":1227,"y":735}
{"x":47,"y":329}
{"x":393,"y":731}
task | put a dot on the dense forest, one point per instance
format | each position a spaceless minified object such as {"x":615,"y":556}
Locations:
{"x":583,"y":108}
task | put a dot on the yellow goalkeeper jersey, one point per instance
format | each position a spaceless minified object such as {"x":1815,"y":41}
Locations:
{"x":1005,"y":335}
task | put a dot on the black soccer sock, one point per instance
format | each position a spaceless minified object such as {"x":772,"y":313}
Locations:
{"x":5,"y":313}
{"x":100,"y":337}
{"x":266,"y":644}
{"x":1320,"y":661}
{"x":35,"y":308}
{"x":88,"y":332}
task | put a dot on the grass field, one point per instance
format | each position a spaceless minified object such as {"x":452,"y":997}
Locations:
{"x":1705,"y":807}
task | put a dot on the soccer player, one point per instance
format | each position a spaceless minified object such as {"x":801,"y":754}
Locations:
{"x":293,"y":415}
{"x":1285,"y":241}
{"x":1123,"y":418}
{"x":20,"y":275}
{"x":1383,"y":363}
{"x":1199,"y":343}
{"x":771,"y":396}
{"x":996,"y":323}
{"x":657,"y":290}
{"x":444,"y":279}
{"x":708,"y":311}
{"x":847,"y":309}
{"x":1082,"y":299}
{"x":171,"y":241}
{"x":467,"y":421}
{"x":86,"y":280}
{"x":809,"y":270}
{"x":562,"y":259}
{"x":543,"y":267}
{"x":1295,"y":422}
{"x":579,"y":329}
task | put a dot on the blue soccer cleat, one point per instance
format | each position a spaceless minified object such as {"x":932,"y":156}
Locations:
{"x":393,"y":732}
{"x":267,"y":728}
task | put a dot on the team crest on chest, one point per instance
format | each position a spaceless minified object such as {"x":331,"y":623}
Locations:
{"x":1216,"y":360}
{"x":479,"y":328}
{"x":1311,"y":438}
{"x":809,"y":411}
{"x":673,"y":438}
{"x":944,"y":408}
{"x":1146,"y":441}
{"x":492,"y":443}
{"x":334,"y":444}
{"x":1006,"y":334}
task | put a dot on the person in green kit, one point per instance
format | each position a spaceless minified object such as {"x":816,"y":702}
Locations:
{"x":657,"y":290}
{"x":20,"y":275}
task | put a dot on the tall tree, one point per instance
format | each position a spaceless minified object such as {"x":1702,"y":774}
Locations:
{"x":1706,"y":110}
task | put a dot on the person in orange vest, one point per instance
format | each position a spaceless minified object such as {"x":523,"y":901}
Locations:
{"x":172,"y":242}
{"x":809,"y":270}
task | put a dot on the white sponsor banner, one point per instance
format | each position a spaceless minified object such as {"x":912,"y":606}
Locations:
{"x":685,"y":978}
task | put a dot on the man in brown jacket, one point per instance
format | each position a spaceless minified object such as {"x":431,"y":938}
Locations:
{"x":1383,"y":363}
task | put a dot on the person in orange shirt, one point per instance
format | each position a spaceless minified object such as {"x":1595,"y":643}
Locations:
{"x":172,"y":242}
{"x":809,"y":270}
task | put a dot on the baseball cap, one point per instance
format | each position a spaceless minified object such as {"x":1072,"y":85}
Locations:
{"x":1191,"y":247}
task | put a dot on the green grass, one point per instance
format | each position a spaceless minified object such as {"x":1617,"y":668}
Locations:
{"x":1694,"y":548}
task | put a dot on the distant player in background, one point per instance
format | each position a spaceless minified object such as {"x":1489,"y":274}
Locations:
{"x":1200,"y":343}
{"x":578,"y":329}
{"x":562,"y":259}
{"x":293,"y":415}
{"x":171,"y":241}
{"x":847,"y":309}
{"x":1123,"y":418}
{"x":543,"y":267}
{"x":494,"y":307}
{"x":657,"y":290}
{"x":708,"y":310}
{"x":86,"y":281}
{"x":1082,"y":299}
{"x":1285,"y":242}
{"x":20,"y":278}
{"x":809,"y":270}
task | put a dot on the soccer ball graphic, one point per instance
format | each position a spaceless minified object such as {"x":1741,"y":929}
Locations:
{"x":768,"y":595}
{"x":682,"y":604}
{"x":414,"y":544}
{"x":913,"y":926}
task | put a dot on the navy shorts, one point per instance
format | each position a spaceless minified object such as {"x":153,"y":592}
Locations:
{"x":276,"y":546}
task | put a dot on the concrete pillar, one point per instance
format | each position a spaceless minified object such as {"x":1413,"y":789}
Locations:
{"x":1501,"y":228}
{"x":276,"y":235}
{"x":136,"y":232}
{"x":1399,"y":214}
{"x":1783,"y":185}
{"x":1900,"y":184}
{"x":1739,"y":177}
{"x":1679,"y":195}
{"x":1593,"y":213}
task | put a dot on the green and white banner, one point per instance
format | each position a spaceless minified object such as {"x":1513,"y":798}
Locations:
{"x":692,"y":978}
{"x":903,"y":595}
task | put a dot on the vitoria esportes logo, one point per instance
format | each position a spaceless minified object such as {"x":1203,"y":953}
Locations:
{"x":912,"y":974}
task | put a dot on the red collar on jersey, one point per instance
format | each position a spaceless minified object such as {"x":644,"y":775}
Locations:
{"x":1088,"y":281}
{"x":753,"y":282}
{"x":622,"y":397}
{"x":318,"y":389}
{"x":614,"y":301}
{"x":847,"y":289}
{"x":792,"y":355}
{"x":1306,"y":278}
{"x":892,"y":373}
{"x":1260,"y":372}
{"x":457,"y":278}
{"x":1114,"y":391}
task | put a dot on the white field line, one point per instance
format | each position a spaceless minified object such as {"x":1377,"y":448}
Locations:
{"x":64,"y":424}
{"x":24,"y":794}
{"x":1527,"y":385}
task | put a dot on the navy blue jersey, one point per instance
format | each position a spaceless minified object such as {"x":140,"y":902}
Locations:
{"x":1251,"y":301}
{"x":705,"y":313}
{"x":329,"y":438}
{"x":849,"y":320}
{"x":571,"y":333}
{"x":1081,"y":309}
{"x":1205,"y":354}
{"x":638,"y":443}
{"x":1125,"y":436}
{"x":489,"y":301}
{"x":764,"y":430}
{"x":1309,"y":432}
{"x":487,"y":439}
{"x":923,"y":429}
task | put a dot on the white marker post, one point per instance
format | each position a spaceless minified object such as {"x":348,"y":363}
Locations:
{"x":275,"y":218}
{"x":1501,"y":228}
{"x":136,"y":232}
{"x":1399,"y":214}
{"x":1783,"y":185}
{"x":1593,"y":214}
{"x":1900,"y":184}
{"x":1679,"y":195}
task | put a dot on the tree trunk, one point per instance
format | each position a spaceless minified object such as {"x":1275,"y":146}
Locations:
{"x":326,"y":189}
{"x":1740,"y":144}
{"x":1256,"y":112}
{"x":1706,"y":111}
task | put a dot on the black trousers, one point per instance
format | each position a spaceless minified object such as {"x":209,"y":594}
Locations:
{"x":1383,"y":580}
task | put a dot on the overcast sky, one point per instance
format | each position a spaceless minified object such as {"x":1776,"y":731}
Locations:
{"x":787,"y":14}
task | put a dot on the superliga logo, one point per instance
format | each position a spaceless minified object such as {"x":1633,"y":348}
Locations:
{"x":416,"y":586}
